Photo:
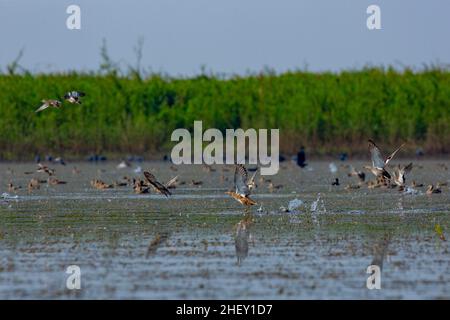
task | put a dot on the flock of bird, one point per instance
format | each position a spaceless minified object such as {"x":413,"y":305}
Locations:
{"x":385,"y":179}
{"x":73,"y":97}
{"x":243,"y":184}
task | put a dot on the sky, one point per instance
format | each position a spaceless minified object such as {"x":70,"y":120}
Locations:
{"x":225,"y":36}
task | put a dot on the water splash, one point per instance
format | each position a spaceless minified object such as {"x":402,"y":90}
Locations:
{"x":7,"y":196}
{"x":411,"y":191}
{"x":333,"y":168}
{"x":294,"y":205}
{"x":318,"y":205}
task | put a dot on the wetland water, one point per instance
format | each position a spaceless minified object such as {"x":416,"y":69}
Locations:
{"x":321,"y":250}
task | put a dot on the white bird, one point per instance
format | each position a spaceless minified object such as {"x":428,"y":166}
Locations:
{"x":74,"y":96}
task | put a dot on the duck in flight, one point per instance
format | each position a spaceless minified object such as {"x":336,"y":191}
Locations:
{"x":49,"y":104}
{"x":242,"y":191}
{"x":400,"y":173}
{"x":74,"y":96}
{"x":379,"y":162}
{"x":157,"y":186}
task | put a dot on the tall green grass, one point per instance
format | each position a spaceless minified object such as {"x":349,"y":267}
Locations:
{"x":327,"y":112}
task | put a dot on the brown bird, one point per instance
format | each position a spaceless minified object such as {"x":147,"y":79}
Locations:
{"x":44,"y":169}
{"x":242,"y":192}
{"x":157,"y":186}
{"x":378,"y":161}
{"x":13,"y":188}
{"x":54,"y":181}
{"x":414,"y":184}
{"x":432,"y":189}
{"x":49,"y":104}
{"x":360,"y":174}
{"x":139,"y":187}
{"x":98,"y":184}
{"x":196,"y":183}
{"x":273,"y":186}
{"x":33,"y":184}
{"x":352,"y":187}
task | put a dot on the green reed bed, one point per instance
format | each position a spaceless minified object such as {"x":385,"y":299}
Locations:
{"x":327,"y":112}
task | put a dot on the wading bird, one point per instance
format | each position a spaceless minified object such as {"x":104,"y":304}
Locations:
{"x":33,"y":184}
{"x":360,"y":174}
{"x":379,"y":162}
{"x":139,"y":187}
{"x":242,"y":192}
{"x":157,"y":186}
{"x":432,"y":189}
{"x":13,"y":188}
{"x":98,"y":184}
{"x":54,"y":181}
{"x":74,"y":96}
{"x":49,"y":104}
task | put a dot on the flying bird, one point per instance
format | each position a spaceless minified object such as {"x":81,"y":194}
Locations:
{"x":400,"y":173}
{"x":74,"y":96}
{"x":172,"y":183}
{"x":242,"y":191}
{"x":49,"y":104}
{"x":44,"y":169}
{"x":378,"y":161}
{"x":157,"y":186}
{"x":251,"y":184}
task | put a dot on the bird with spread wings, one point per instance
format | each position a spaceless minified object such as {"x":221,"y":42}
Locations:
{"x":157,"y":186}
{"x":378,"y":161}
{"x":241,"y":184}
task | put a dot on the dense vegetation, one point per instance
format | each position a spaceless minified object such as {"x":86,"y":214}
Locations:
{"x":327,"y":112}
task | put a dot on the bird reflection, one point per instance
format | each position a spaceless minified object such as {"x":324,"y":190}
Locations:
{"x":380,"y":250}
{"x":242,"y":237}
{"x":156,"y":242}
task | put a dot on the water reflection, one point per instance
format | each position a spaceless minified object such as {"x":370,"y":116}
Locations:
{"x":380,"y":250}
{"x":242,"y":237}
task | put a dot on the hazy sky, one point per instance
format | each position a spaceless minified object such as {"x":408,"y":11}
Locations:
{"x":230,"y":36}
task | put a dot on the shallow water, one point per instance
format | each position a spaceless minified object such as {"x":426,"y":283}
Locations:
{"x":297,"y":255}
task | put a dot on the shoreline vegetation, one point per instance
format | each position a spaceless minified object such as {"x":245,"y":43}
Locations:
{"x":122,"y":114}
